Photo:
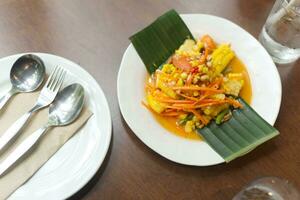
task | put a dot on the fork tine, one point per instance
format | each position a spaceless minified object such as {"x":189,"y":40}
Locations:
{"x":55,"y":78}
{"x":60,"y":80}
{"x":54,"y":74}
{"x":50,"y":77}
{"x":61,"y":70}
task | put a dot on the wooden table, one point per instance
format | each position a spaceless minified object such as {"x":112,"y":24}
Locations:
{"x":95,"y":33}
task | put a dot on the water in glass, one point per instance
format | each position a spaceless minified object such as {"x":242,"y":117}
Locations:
{"x":281,"y":32}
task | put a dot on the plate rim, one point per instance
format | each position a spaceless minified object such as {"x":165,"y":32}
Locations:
{"x":74,"y":188}
{"x":276,"y":77}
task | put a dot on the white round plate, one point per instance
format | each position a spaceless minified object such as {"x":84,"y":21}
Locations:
{"x":80,"y":158}
{"x":265,"y":81}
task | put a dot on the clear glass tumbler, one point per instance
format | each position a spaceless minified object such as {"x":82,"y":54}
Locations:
{"x":281,"y":32}
{"x":269,"y":188}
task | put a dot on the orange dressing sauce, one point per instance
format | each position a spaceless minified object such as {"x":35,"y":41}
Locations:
{"x":238,"y":67}
{"x":169,"y":123}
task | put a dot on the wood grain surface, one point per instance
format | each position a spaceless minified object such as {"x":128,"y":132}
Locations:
{"x":94,"y":33}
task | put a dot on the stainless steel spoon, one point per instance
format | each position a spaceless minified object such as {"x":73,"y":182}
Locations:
{"x":46,"y":97}
{"x":63,"y":111}
{"x":26,"y":75}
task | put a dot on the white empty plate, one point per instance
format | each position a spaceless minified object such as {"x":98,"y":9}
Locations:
{"x":265,"y":81}
{"x":80,"y":158}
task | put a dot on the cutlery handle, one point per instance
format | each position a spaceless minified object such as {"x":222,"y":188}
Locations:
{"x":6,"y":97}
{"x":21,"y":149}
{"x":13,"y":130}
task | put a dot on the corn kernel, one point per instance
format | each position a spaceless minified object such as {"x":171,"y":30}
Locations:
{"x":195,"y":119}
{"x":196,"y":48}
{"x":178,"y":52}
{"x":200,"y":67}
{"x":204,"y":69}
{"x":209,"y":64}
{"x":196,"y":79}
{"x":193,"y":53}
{"x":182,"y":116}
{"x":194,"y":63}
{"x":180,"y":82}
{"x":176,"y":75}
{"x":218,"y":96}
{"x":200,"y":44}
{"x":196,"y":93}
{"x":189,"y":126}
{"x":168,"y":68}
{"x":204,"y":77}
{"x":183,"y":75}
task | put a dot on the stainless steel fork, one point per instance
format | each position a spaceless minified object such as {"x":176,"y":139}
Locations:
{"x":46,"y":97}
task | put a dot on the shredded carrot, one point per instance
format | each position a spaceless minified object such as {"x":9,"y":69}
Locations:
{"x":183,"y":105}
{"x":197,"y":88}
{"x":169,"y":110}
{"x":192,"y":106}
{"x":160,"y":94}
{"x":189,"y":79}
{"x":210,"y":104}
{"x":208,"y":101}
{"x":199,"y":116}
{"x":175,"y":107}
{"x":216,"y":83}
{"x":188,"y":97}
{"x":174,"y":101}
{"x":149,"y":90}
{"x":146,"y":105}
{"x":204,"y":101}
{"x":206,"y":94}
{"x":235,"y":103}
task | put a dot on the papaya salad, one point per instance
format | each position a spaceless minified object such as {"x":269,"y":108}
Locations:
{"x":195,"y":85}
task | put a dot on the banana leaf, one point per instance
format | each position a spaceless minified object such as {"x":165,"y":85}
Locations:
{"x":236,"y":137}
{"x":158,"y":41}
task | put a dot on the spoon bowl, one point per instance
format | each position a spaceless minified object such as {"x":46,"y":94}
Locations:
{"x":67,"y":105}
{"x":27,"y":73}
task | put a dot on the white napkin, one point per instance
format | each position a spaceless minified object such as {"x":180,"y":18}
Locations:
{"x":47,"y":146}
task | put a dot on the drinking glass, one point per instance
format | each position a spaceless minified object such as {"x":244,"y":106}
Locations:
{"x":281,"y":33}
{"x":269,"y":188}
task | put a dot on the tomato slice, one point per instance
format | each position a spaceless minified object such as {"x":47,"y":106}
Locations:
{"x":181,"y":62}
